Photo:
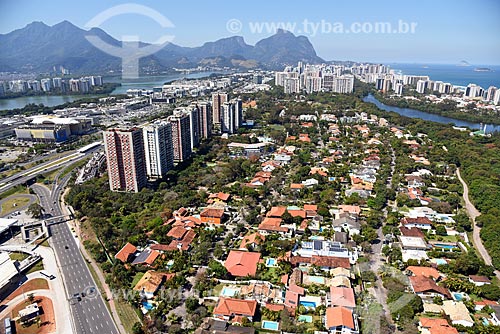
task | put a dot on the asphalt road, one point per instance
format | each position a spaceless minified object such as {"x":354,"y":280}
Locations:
{"x":89,"y":313}
{"x":476,"y":234}
{"x":28,"y":174}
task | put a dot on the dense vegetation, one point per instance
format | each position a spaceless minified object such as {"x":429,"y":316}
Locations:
{"x":446,"y":108}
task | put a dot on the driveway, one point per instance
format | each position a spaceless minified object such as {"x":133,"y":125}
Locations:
{"x":476,"y":234}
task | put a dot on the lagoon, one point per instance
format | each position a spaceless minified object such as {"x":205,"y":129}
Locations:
{"x":413,"y":113}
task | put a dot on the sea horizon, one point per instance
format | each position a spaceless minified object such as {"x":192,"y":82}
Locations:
{"x":456,"y":74}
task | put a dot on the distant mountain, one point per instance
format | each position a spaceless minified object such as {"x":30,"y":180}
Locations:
{"x":285,"y":48}
{"x":39,"y":48}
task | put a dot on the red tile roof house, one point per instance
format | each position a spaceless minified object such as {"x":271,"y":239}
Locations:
{"x":423,"y":223}
{"x":436,"y":326}
{"x":182,"y":240}
{"x":340,"y":320}
{"x":426,"y":288}
{"x":342,"y":297}
{"x":479,"y":280}
{"x":311,"y":210}
{"x":242,"y":264}
{"x":480,"y":304}
{"x":291,"y":301}
{"x":220,"y":196}
{"x":324,"y":262}
{"x":126,"y":253}
{"x":273,"y":225}
{"x":252,"y":240}
{"x":411,"y":232}
{"x":229,"y":308}
{"x":276,"y":211}
{"x":212,"y":215}
{"x":424,"y":271}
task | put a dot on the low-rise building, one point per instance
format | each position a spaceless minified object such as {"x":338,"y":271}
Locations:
{"x":242,"y":264}
{"x":341,"y":320}
{"x":230,"y":308}
{"x":458,"y":313}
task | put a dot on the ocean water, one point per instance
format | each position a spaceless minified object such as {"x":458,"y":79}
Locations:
{"x":454,"y":74}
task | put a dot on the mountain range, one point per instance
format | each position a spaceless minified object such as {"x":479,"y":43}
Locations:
{"x":40,"y":48}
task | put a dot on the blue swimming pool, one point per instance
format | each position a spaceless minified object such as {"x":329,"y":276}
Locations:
{"x":305,"y":318}
{"x":317,"y":279}
{"x":458,"y":296}
{"x":445,"y":246}
{"x":147,"y":305}
{"x":270,"y":262}
{"x":271,"y":325}
{"x":229,"y":292}
{"x":441,"y":261}
{"x":307,"y":303}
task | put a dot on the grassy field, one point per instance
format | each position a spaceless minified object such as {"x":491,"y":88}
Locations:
{"x":445,"y":238}
{"x":128,"y":315}
{"x":37,"y":267}
{"x":18,"y":256}
{"x":13,"y":204}
{"x":14,"y":191}
{"x":98,"y":282}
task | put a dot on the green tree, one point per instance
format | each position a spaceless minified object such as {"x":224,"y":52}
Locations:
{"x":441,"y":230}
{"x":137,"y":328}
{"x":192,"y":304}
{"x":35,"y":210}
{"x":490,"y":291}
{"x":217,"y":269}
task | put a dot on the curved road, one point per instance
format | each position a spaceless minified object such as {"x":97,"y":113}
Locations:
{"x":31,"y":197}
{"x":476,"y":234}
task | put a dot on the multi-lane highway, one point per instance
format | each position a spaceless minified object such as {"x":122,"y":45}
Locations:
{"x":89,"y":312}
{"x":53,"y":164}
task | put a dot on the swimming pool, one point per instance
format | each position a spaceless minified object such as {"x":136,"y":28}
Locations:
{"x":440,"y":261}
{"x":270,"y":262}
{"x":229,"y":292}
{"x":458,"y":296}
{"x":450,"y":247}
{"x":308,"y":304}
{"x":147,"y":305}
{"x":271,"y":325}
{"x":305,"y":318}
{"x":317,"y":279}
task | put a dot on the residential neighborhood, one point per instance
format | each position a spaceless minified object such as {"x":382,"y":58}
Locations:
{"x":353,"y":221}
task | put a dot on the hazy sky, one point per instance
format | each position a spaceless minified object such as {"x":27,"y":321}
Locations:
{"x":446,"y":31}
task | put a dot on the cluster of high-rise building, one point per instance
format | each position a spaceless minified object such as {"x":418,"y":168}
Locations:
{"x":492,"y":94}
{"x":387,"y":80}
{"x":227,"y":114}
{"x":81,"y":85}
{"x":137,"y":154}
{"x":315,"y":78}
